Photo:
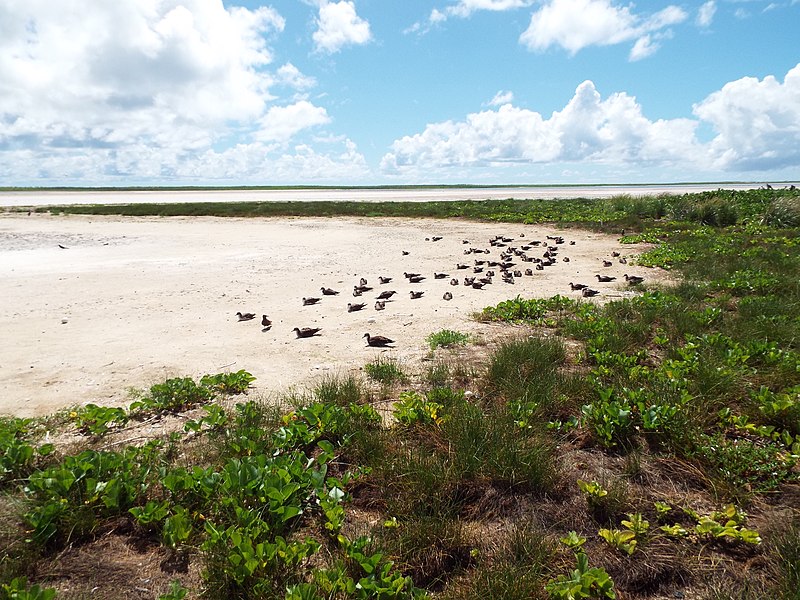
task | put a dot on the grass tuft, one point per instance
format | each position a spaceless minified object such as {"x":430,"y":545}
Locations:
{"x":525,"y":372}
{"x":385,"y":371}
{"x":447,"y":338}
{"x":430,"y":549}
{"x":787,"y":549}
{"x":341,"y":391}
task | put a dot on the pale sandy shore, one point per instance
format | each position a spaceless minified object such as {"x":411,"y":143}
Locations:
{"x":132,"y":301}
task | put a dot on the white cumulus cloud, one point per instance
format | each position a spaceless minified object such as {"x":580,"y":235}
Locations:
{"x":642,"y":48}
{"x":290,"y":75}
{"x":339,"y":25}
{"x":281,"y":123}
{"x":706,"y":13}
{"x":647,"y":45}
{"x":757,"y":122}
{"x":70,"y":70}
{"x":464,"y":9}
{"x":145,"y":91}
{"x":501,"y":97}
{"x":577,"y":24}
{"x":259,"y":163}
{"x":589,"y":128}
{"x":130,"y":69}
{"x":756,"y":125}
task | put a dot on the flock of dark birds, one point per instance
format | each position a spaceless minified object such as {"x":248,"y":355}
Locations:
{"x":484,"y":271}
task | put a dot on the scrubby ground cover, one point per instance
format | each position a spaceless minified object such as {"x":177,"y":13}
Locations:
{"x":645,"y":448}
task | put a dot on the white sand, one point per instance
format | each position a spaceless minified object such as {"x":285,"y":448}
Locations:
{"x":133,"y":301}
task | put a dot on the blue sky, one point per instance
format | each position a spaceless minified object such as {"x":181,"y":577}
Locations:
{"x":361,"y":92}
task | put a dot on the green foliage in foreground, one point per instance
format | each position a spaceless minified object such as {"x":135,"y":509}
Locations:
{"x":173,"y":395}
{"x":18,"y":452}
{"x":245,"y":512}
{"x":228,"y":383}
{"x":19,"y":589}
{"x":583,"y":582}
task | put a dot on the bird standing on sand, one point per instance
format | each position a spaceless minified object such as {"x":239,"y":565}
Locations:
{"x":310,"y":301}
{"x":377,"y":341}
{"x":246,"y":316}
{"x":306,"y":332}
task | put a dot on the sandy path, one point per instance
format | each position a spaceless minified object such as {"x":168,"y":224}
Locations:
{"x":132,"y":301}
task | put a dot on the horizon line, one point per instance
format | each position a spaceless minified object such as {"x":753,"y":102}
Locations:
{"x":129,"y":188}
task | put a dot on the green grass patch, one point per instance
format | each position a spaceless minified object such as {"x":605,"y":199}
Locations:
{"x":385,"y":371}
{"x":526,"y":374}
{"x":447,"y":338}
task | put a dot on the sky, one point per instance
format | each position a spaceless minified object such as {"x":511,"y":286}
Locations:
{"x":383,"y":92}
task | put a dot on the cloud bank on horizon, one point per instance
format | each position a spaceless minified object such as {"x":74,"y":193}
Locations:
{"x":171,"y":92}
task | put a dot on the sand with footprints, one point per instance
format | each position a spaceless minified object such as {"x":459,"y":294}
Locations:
{"x":94,"y":306}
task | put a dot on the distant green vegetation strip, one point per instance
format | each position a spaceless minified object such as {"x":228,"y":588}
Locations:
{"x":511,"y":210}
{"x":716,"y":208}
